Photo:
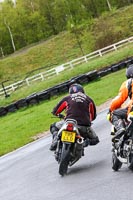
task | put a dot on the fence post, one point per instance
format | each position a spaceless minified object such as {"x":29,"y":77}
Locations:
{"x":115,"y":48}
{"x":42,"y":77}
{"x":27,"y":82}
{"x":13,"y":88}
{"x":4,"y":89}
{"x":100,"y":53}
{"x":85,"y":59}
{"x":71,"y":65}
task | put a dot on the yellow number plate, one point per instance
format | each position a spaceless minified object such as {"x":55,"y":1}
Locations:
{"x":68,"y":136}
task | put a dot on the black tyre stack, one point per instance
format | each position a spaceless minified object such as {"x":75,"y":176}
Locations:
{"x":36,"y":98}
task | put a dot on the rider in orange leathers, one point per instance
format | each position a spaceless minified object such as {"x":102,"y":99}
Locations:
{"x":119,"y":109}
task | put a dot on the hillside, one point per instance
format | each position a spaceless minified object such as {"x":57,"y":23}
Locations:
{"x":108,"y":29}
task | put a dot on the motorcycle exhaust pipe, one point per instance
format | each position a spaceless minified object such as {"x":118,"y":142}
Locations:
{"x":80,"y":140}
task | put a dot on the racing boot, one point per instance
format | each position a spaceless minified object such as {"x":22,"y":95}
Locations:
{"x":54,"y":131}
{"x":93,"y":138}
{"x":91,"y":141}
{"x":54,"y":142}
{"x":94,"y":141}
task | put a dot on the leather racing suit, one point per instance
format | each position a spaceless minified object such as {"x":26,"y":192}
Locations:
{"x":80,"y":107}
{"x":121,"y":105}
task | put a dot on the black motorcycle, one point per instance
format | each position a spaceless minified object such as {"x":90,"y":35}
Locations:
{"x":122,"y":151}
{"x":70,"y":146}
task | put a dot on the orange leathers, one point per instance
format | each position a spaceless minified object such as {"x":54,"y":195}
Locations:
{"x":118,"y":101}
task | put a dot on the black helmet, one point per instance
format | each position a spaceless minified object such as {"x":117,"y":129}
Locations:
{"x":129,"y":71}
{"x":74,"y":88}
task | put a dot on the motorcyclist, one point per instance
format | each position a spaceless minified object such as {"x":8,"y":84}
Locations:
{"x":119,"y":108}
{"x":80,"y":107}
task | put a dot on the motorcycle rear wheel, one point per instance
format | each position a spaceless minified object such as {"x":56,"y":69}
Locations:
{"x":116,"y":164}
{"x":65,"y":157}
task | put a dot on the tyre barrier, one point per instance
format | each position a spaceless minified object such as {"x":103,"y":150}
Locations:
{"x":114,"y":68}
{"x":3,"y":111}
{"x":32,"y":99}
{"x":53,"y":91}
{"x":128,"y":62}
{"x":82,"y":79}
{"x":92,"y":75}
{"x":63,"y":87}
{"x":11,"y":108}
{"x":43,"y":95}
{"x":122,"y":65}
{"x":35,"y":98}
{"x":104,"y":72}
{"x":21,"y":103}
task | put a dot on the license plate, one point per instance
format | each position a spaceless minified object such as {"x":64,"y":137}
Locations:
{"x":68,"y":136}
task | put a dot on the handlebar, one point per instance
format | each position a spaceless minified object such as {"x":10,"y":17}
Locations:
{"x":60,"y":116}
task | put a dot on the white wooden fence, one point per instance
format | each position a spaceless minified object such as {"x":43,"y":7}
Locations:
{"x":55,"y":71}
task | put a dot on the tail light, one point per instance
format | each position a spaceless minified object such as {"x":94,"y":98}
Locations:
{"x":69,"y":127}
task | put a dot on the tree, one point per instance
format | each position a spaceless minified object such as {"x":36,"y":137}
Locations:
{"x":10,"y":33}
{"x":109,"y":5}
{"x":5,"y":20}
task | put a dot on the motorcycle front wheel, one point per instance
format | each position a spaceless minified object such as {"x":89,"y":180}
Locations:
{"x":116,"y":164}
{"x":65,"y":157}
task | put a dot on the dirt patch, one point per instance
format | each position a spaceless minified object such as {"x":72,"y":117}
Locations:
{"x":103,"y":106}
{"x":99,"y":109}
{"x":40,"y":135}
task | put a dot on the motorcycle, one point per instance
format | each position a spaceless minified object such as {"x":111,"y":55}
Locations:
{"x":70,"y":146}
{"x":122,"y":152}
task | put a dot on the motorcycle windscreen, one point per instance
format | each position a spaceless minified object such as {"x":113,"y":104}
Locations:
{"x":68,"y":136}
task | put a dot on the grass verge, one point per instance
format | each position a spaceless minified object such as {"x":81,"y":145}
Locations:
{"x":96,"y":64}
{"x":18,"y":129}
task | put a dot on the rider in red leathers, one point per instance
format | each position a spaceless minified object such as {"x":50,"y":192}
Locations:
{"x":80,"y":107}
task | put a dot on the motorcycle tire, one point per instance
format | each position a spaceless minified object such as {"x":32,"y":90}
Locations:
{"x":130,"y":165}
{"x":116,"y":164}
{"x":65,"y":157}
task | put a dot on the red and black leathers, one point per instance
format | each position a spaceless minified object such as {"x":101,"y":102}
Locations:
{"x":78,"y":106}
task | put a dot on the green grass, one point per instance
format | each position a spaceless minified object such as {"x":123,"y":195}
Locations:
{"x":97,"y":63}
{"x":19,"y":128}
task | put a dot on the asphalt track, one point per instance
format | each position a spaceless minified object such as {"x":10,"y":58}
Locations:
{"x":31,"y":172}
